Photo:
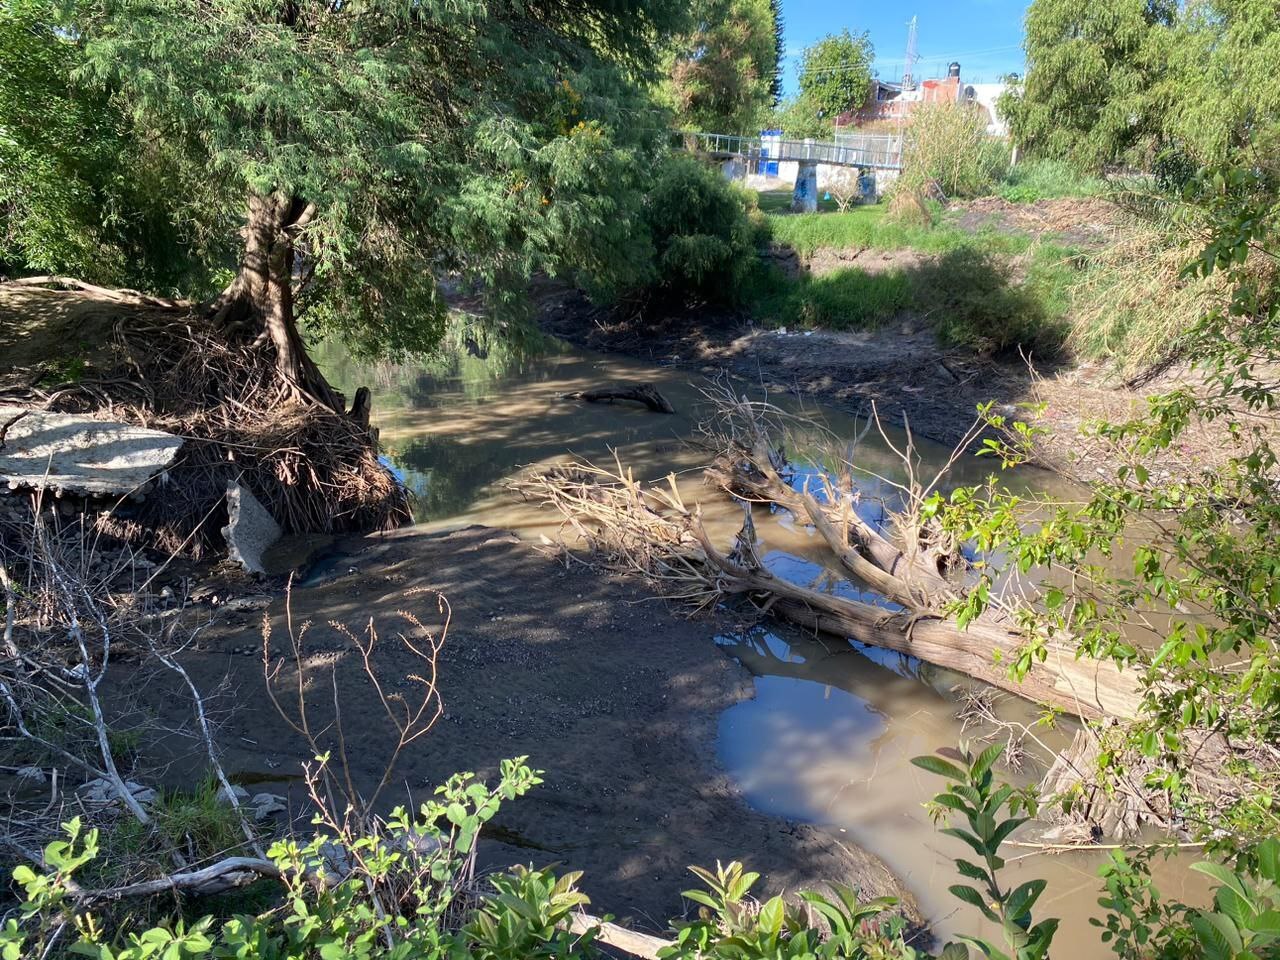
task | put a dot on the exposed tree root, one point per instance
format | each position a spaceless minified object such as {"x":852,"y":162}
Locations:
{"x":314,"y":468}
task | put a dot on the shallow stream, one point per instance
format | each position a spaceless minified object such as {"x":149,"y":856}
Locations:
{"x":829,"y":736}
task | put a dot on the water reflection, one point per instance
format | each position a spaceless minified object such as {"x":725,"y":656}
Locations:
{"x":829,"y":739}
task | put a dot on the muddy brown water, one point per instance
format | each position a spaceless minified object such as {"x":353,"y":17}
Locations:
{"x":831,"y":731}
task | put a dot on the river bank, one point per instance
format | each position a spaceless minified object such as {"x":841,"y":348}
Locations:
{"x":900,"y":370}
{"x":610,"y":692}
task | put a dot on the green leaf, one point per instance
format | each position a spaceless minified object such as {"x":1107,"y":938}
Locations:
{"x":940,"y":767}
{"x":1223,"y":876}
{"x":985,"y":759}
{"x":974,"y":898}
{"x":770,"y":918}
{"x":1024,"y":897}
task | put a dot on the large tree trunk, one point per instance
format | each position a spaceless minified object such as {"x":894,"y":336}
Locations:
{"x":261,"y":295}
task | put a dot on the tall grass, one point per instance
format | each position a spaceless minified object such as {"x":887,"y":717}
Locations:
{"x":1133,"y":306}
{"x":970,"y":296}
{"x":1035,"y":180}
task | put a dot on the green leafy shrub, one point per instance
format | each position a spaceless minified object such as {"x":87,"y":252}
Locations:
{"x":388,"y":893}
{"x":968,"y":296}
{"x":526,"y":916}
{"x":393,"y":896}
{"x":1243,"y":922}
{"x":730,"y":927}
{"x":972,"y":299}
{"x":703,"y":229}
{"x":973,"y":795}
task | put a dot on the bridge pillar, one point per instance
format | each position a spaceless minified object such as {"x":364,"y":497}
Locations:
{"x":804,"y":198}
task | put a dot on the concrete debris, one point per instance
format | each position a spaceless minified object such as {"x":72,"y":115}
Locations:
{"x":240,"y":793}
{"x":250,"y":530}
{"x":80,"y":455}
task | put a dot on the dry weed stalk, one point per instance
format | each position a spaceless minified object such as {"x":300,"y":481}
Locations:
{"x":65,"y":608}
{"x":340,"y":803}
{"x":55,"y":611}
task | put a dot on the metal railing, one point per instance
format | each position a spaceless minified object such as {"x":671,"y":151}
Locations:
{"x":884,"y":153}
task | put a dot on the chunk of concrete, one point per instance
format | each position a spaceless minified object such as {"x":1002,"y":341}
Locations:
{"x":250,"y":530}
{"x":80,"y":455}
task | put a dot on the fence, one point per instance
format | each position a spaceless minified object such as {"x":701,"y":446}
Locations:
{"x":864,"y":151}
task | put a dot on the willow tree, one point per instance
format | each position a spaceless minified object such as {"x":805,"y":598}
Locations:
{"x":1092,"y":69}
{"x":358,"y":150}
{"x":724,"y":74}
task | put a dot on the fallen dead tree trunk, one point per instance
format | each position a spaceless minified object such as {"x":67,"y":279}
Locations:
{"x":654,"y":533}
{"x":915,"y":580}
{"x":650,"y":532}
{"x":1089,"y":689}
{"x":644,"y":393}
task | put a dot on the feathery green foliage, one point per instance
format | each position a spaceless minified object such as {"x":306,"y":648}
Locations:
{"x":1141,"y":82}
{"x":724,"y":76}
{"x":78,"y":193}
{"x":1090,"y":72}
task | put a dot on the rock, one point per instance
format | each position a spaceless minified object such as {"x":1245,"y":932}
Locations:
{"x":250,"y":530}
{"x":102,"y":792}
{"x":266,"y":804}
{"x":32,"y":773}
{"x":240,"y":793}
{"x":80,"y":455}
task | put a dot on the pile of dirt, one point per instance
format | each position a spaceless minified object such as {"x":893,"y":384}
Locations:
{"x":827,"y":260}
{"x":159,"y":364}
{"x":1079,"y":221}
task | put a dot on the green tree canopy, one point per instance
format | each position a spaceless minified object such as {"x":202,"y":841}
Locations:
{"x":78,"y":194}
{"x":1221,"y":95}
{"x":1091,"y":71}
{"x":724,"y":75}
{"x":835,"y":76}
{"x":354,"y":152}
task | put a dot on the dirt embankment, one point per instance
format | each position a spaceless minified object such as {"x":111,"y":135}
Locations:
{"x":611,"y":693}
{"x":902,"y":370}
{"x":899,"y":369}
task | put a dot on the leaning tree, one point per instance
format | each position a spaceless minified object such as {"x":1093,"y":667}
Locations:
{"x":357,"y":151}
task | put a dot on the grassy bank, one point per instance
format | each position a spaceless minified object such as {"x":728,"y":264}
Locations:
{"x":988,"y":289}
{"x":869,"y":227}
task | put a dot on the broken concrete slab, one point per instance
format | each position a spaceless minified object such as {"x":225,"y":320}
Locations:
{"x":80,"y":455}
{"x":250,"y":530}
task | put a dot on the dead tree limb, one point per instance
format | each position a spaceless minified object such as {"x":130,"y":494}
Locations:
{"x":651,"y":532}
{"x":218,"y":877}
{"x":54,"y":282}
{"x":644,"y":393}
{"x":620,"y":938}
{"x":1089,"y":689}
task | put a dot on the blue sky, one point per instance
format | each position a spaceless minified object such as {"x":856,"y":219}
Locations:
{"x":984,"y":35}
